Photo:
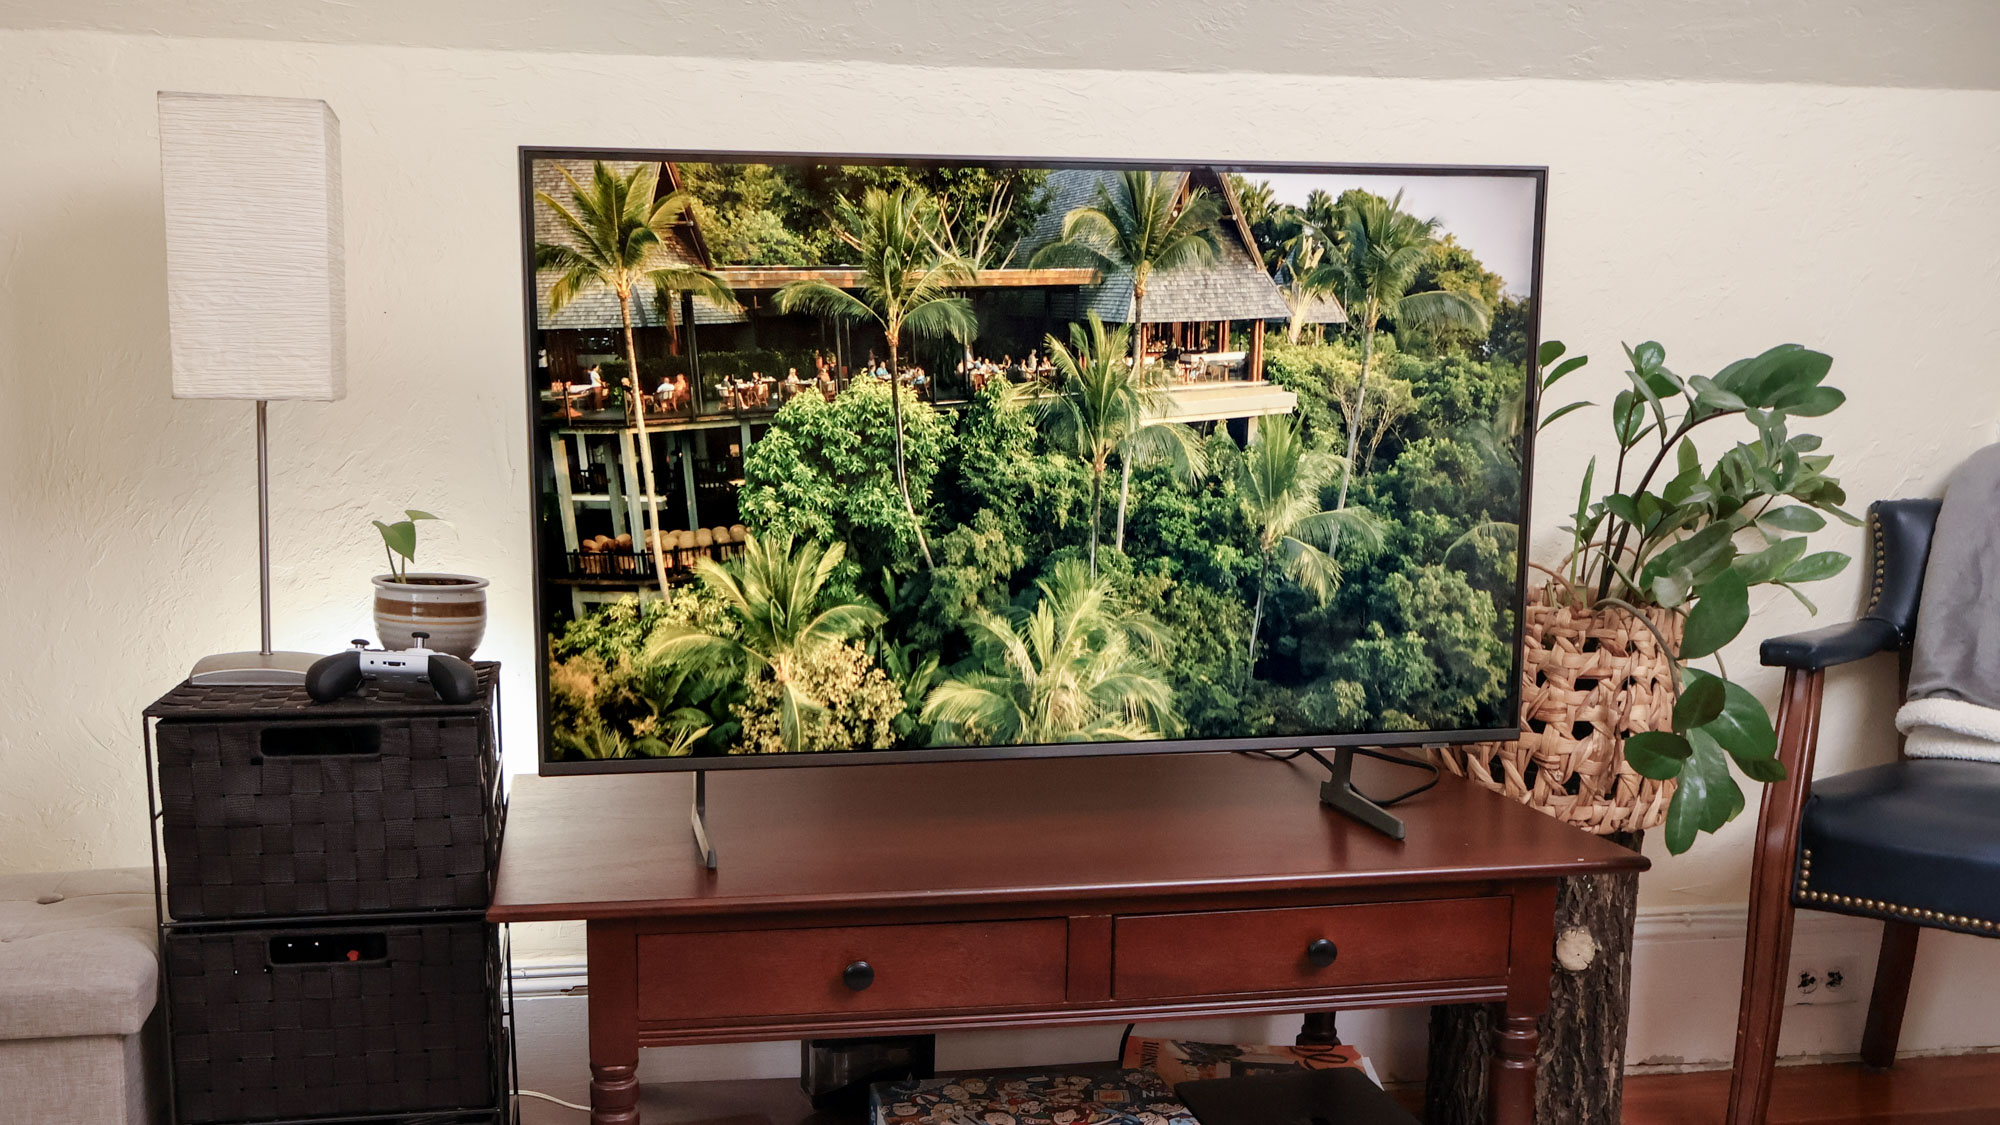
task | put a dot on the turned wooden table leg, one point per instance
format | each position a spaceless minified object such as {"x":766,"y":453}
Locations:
{"x":1510,"y":1091}
{"x":614,"y":1024}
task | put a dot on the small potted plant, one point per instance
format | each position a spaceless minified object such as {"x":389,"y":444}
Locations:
{"x":450,"y":607}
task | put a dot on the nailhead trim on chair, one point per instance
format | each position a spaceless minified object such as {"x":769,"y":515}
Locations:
{"x":1911,"y":913}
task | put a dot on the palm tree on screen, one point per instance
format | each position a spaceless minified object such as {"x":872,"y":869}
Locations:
{"x":776,"y":592}
{"x":1078,"y":667}
{"x":617,"y":238}
{"x":907,"y":276}
{"x":1374,"y":261}
{"x":1278,"y":486}
{"x":1102,"y":406}
{"x":1142,"y":224}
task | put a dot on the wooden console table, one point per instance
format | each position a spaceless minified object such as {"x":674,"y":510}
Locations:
{"x":938,"y":896}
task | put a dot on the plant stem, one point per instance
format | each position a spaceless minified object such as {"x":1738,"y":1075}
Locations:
{"x":1688,"y":423}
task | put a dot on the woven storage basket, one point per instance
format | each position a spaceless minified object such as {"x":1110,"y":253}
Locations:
{"x":410,"y":1025}
{"x":1589,"y":677}
{"x":278,"y":815}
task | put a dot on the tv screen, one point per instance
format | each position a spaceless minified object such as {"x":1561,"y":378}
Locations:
{"x":854,"y":459}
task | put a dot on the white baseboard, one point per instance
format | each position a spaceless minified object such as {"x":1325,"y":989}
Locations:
{"x":1686,"y":973}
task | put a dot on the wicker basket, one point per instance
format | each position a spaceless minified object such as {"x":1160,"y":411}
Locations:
{"x":276,"y":1022}
{"x":1589,"y":677}
{"x":284,"y":815}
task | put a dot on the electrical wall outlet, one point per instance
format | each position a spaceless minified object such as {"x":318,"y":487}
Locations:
{"x":1820,"y":980}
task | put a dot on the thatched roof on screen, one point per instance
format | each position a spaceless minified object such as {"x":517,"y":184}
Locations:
{"x":597,"y":306}
{"x":1233,"y":287}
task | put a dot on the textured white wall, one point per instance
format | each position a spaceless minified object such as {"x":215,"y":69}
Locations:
{"x":1716,"y":218}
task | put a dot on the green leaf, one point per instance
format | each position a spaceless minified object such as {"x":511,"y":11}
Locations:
{"x":1700,"y":702}
{"x":1624,"y":507}
{"x":1559,"y":412}
{"x":1793,"y":517}
{"x":1706,"y":798}
{"x":1811,"y":403}
{"x":416,"y":515}
{"x":1800,"y":594}
{"x":1564,"y":368}
{"x":1709,"y":395}
{"x":401,"y":537}
{"x":1652,"y":396}
{"x":1671,"y":590}
{"x":1721,"y":609}
{"x":1742,"y":727}
{"x":1549,"y":352}
{"x":1583,"y":501}
{"x":1785,"y":369}
{"x":1723,"y":798}
{"x":1657,"y":754}
{"x":1628,"y":416}
{"x":1686,"y":458}
{"x":1647,"y":357}
{"x":1684,"y":814}
{"x":1815,"y":568}
{"x":1767,"y":564}
{"x":1697,"y":554}
{"x":1763,"y":770}
{"x":1684,"y":486}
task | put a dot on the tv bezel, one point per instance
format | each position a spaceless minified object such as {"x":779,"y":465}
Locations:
{"x":528,"y":154}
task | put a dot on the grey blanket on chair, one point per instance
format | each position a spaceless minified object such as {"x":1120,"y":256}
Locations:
{"x":1954,"y":703}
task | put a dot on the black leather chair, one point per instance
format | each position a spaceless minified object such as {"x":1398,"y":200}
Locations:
{"x":1915,"y":843}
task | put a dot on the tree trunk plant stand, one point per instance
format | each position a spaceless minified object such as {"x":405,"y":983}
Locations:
{"x":1589,"y":677}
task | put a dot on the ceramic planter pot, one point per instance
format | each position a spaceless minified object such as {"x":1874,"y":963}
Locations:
{"x":450,"y":607}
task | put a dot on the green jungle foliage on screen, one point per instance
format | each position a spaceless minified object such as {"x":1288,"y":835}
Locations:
{"x":1057,"y":560}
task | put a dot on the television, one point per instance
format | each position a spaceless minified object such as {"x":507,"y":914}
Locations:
{"x":844,"y":459}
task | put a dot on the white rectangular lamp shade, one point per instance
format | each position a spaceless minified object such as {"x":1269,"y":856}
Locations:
{"x":256,"y":278}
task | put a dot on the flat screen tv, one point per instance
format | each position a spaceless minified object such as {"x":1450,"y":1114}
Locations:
{"x":856,"y":459}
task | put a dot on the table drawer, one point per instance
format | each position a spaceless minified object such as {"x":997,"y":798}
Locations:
{"x":727,"y":975}
{"x":1238,"y":951}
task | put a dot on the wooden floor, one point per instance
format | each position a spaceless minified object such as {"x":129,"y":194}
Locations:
{"x":1952,"y":1090}
{"x":1957,"y":1090}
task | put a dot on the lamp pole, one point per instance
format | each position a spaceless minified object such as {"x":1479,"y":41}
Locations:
{"x":264,"y":526}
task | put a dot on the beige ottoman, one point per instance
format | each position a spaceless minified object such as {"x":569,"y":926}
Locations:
{"x":79,"y":974}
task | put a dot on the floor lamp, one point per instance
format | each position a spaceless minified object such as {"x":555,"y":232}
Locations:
{"x":256,"y":288}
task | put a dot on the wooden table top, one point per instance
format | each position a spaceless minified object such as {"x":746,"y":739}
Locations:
{"x":955,"y":833}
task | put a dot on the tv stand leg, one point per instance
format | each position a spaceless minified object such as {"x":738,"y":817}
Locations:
{"x":613,"y":951}
{"x":1318,"y":1030}
{"x":614,"y":1094}
{"x":1338,"y":792}
{"x":698,"y":820}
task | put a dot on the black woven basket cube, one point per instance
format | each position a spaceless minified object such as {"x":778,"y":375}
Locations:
{"x":281,"y":1022}
{"x":290,"y":813}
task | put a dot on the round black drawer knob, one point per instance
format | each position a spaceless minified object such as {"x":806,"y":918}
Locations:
{"x":858,"y":976}
{"x":1322,"y":953}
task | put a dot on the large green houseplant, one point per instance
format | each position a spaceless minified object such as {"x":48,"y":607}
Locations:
{"x":1676,"y":533}
{"x":1656,"y":575}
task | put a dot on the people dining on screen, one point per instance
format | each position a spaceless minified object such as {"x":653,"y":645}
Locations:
{"x":672,"y":394}
{"x":592,"y":392}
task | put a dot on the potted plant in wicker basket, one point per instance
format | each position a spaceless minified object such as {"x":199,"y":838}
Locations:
{"x":1620,"y":731}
